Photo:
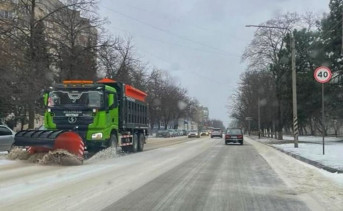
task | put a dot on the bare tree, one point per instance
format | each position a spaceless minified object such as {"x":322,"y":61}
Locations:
{"x":263,"y":52}
{"x":73,"y":35}
{"x":256,"y":88}
{"x":31,"y":52}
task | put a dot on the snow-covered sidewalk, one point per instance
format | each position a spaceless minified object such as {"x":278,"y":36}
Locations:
{"x":310,"y":150}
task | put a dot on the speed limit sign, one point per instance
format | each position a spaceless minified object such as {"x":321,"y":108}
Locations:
{"x":322,"y":74}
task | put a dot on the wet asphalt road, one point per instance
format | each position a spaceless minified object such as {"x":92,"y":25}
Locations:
{"x":224,"y":177}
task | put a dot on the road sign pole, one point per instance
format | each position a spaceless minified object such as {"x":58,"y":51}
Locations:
{"x":323,"y":119}
{"x":323,"y":75}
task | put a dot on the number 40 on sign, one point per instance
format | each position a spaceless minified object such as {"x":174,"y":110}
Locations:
{"x":322,"y":74}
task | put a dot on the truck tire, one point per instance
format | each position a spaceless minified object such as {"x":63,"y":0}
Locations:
{"x":113,"y":142}
{"x":134,"y":146}
{"x":141,"y":141}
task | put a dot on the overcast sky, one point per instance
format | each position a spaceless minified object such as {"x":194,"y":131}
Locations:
{"x":198,"y":42}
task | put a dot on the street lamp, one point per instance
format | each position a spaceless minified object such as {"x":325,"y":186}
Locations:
{"x":294,"y":82}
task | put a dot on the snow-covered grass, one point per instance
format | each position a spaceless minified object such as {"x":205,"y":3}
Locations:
{"x":311,"y":148}
{"x":333,"y":153}
{"x":314,"y":139}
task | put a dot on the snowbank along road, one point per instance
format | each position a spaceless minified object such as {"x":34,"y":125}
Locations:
{"x":200,"y":174}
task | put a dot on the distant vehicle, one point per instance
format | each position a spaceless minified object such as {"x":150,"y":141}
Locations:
{"x":193,"y":133}
{"x":6,"y":138}
{"x":234,"y":135}
{"x":204,"y":133}
{"x":163,"y":134}
{"x":216,"y":132}
{"x":184,"y":132}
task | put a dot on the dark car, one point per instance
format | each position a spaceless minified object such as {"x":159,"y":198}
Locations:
{"x":234,"y":135}
{"x":6,"y":138}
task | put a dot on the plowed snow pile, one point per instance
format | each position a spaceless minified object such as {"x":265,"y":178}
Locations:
{"x":105,"y":154}
{"x":57,"y":157}
{"x":60,"y":157}
{"x":18,"y":154}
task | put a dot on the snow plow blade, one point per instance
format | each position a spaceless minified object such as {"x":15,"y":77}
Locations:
{"x":49,"y":140}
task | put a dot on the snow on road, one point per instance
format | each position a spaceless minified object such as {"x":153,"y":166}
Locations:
{"x":92,"y":186}
{"x":309,"y":183}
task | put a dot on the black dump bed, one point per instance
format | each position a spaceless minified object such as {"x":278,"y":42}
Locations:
{"x":133,"y":111}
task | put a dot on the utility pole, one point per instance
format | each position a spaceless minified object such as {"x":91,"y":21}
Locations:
{"x":259,"y":116}
{"x":342,"y":35}
{"x":294,"y":90}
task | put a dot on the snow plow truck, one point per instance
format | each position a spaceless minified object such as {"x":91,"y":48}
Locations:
{"x":90,"y":116}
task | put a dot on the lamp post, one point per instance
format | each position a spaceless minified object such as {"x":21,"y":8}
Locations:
{"x":294,"y":88}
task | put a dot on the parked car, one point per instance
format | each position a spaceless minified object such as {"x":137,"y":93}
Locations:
{"x":163,"y":133}
{"x":193,"y":133}
{"x":6,"y":138}
{"x":180,"y":132}
{"x":234,"y":135}
{"x":173,"y":132}
{"x":217,"y":132}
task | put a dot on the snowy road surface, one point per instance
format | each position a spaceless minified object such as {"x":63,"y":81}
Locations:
{"x":201,"y":174}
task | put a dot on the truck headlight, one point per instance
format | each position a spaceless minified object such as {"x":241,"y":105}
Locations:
{"x":97,"y":136}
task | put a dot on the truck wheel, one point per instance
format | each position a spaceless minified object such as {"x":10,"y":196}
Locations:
{"x":113,"y":142}
{"x":134,"y":146}
{"x":141,"y":142}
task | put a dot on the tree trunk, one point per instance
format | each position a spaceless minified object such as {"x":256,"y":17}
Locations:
{"x":280,"y":122}
{"x":31,"y":117}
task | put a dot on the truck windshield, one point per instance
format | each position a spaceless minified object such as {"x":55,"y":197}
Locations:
{"x":75,"y":98}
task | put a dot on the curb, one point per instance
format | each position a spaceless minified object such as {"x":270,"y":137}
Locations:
{"x":306,"y":160}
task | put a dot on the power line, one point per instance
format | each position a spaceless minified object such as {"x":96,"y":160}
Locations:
{"x":191,"y":25}
{"x":168,"y":61}
{"x":171,"y":43}
{"x":170,"y":33}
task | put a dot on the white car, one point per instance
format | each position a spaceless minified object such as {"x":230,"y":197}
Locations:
{"x":217,"y":132}
{"x":6,"y":138}
{"x":193,"y":133}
